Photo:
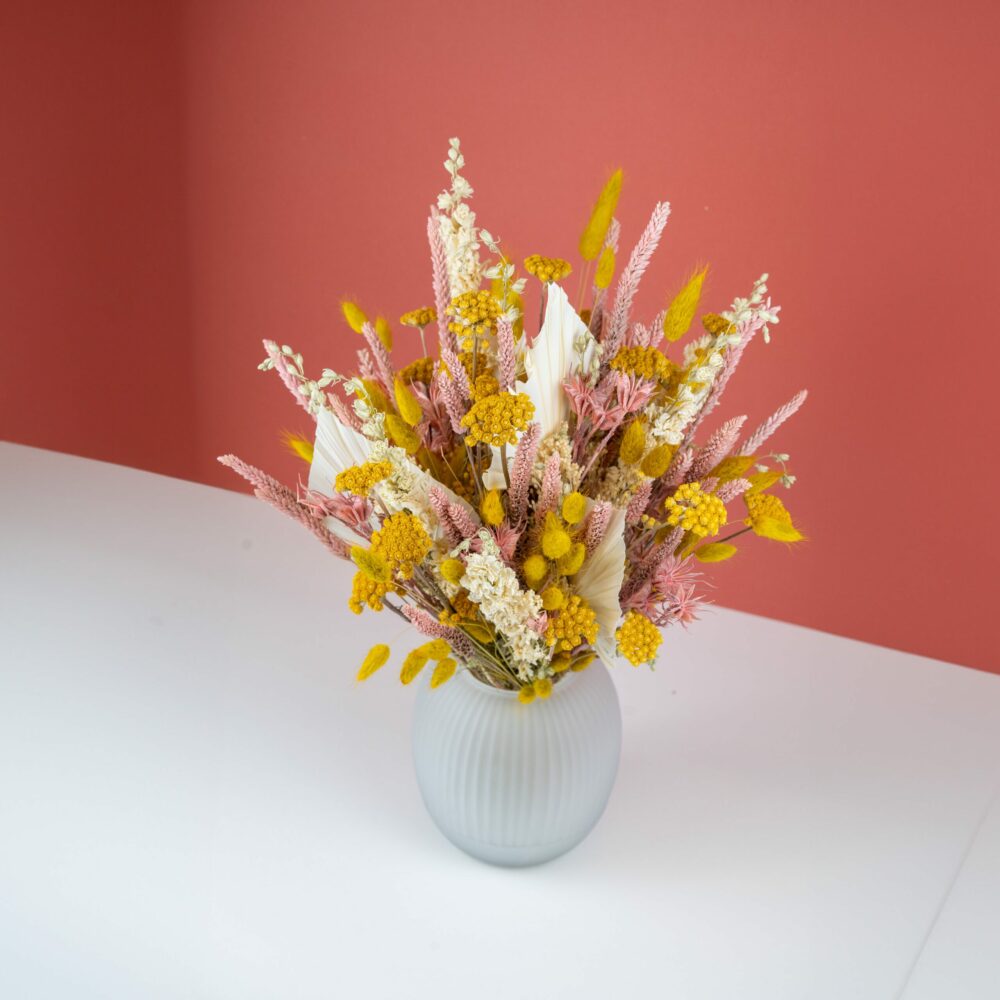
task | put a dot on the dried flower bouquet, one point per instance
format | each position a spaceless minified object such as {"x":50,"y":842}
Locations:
{"x":531,"y":501}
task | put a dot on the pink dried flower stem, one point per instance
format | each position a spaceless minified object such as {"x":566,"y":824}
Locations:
{"x":344,"y":413}
{"x":551,"y":486}
{"x":440,"y":504}
{"x":290,"y":382}
{"x":381,"y":356}
{"x":439,"y":274}
{"x":506,"y":355}
{"x":728,"y":492}
{"x":462,"y":519}
{"x":269,"y":490}
{"x":366,"y":367}
{"x":773,"y":422}
{"x":597,"y":524}
{"x":716,"y":448}
{"x":520,"y":476}
{"x":637,"y":505}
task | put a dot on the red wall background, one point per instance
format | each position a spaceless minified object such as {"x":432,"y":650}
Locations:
{"x":180,"y":181}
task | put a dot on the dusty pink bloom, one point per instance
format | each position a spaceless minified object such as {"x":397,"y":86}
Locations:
{"x":506,"y":538}
{"x":456,"y":370}
{"x":580,"y":394}
{"x":633,"y":392}
{"x":628,"y":282}
{"x":551,"y":486}
{"x":343,"y":412}
{"x":731,"y":490}
{"x":506,"y":355}
{"x":423,"y":622}
{"x":520,"y":475}
{"x":541,"y":623}
{"x":637,"y":505}
{"x":678,"y":468}
{"x":772,"y":423}
{"x":716,"y":448}
{"x":462,"y":519}
{"x":667,"y":595}
{"x":351,"y":510}
{"x":597,"y":524}
{"x":289,"y":381}
{"x":439,"y":272}
{"x":366,"y":367}
{"x":435,"y":429}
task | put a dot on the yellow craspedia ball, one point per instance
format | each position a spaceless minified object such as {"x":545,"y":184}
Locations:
{"x":536,"y":568}
{"x":543,"y":687}
{"x":574,"y":507}
{"x":491,"y":508}
{"x":452,"y":570}
{"x":527,"y":694}
{"x":555,"y":539}
{"x":553,"y":598}
{"x":573,"y":561}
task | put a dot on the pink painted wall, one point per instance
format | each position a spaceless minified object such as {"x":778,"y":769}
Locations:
{"x":188,"y":181}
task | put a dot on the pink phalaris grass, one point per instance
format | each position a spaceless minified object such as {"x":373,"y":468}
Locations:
{"x":679,"y":467}
{"x":716,"y":448}
{"x":506,"y":355}
{"x":637,"y":505}
{"x":656,"y":329}
{"x":773,"y":422}
{"x":425,"y":623}
{"x":551,"y":486}
{"x":456,"y":370}
{"x":597,"y":524}
{"x":462,"y":519}
{"x":381,"y":355}
{"x":440,"y":504}
{"x":366,"y":367}
{"x":448,"y":393}
{"x":280,"y":363}
{"x":280,"y":497}
{"x":728,"y":492}
{"x":439,"y":276}
{"x":520,"y":475}
{"x":344,"y":413}
{"x":628,"y":281}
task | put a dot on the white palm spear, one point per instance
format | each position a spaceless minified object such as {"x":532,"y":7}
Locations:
{"x":600,"y":581}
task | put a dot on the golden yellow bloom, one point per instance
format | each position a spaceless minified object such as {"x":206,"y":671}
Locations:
{"x":553,"y":598}
{"x":561,"y":662}
{"x":582,"y":661}
{"x":769,"y":518}
{"x":406,"y":403}
{"x":384,"y":332}
{"x":354,"y":315}
{"x":535,"y":570}
{"x":716,"y":324}
{"x":547,"y":268}
{"x":443,"y":672}
{"x":376,"y":396}
{"x":682,"y":308}
{"x":572,"y":561}
{"x":375,"y":659}
{"x":465,"y":610}
{"x":474,"y":314}
{"x":633,"y":443}
{"x":298,"y":445}
{"x":415,"y":661}
{"x":421,"y":370}
{"x":526,"y":695}
{"x":702,"y":514}
{"x":452,"y":570}
{"x":605,"y":268}
{"x":436,"y":649}
{"x":555,"y":539}
{"x":646,"y":362}
{"x":497,"y":419}
{"x":486,"y":384}
{"x":371,"y":564}
{"x":656,"y":463}
{"x":359,"y":479}
{"x":574,"y":624}
{"x":638,"y":639}
{"x":543,"y":687}
{"x":401,"y":434}
{"x":491,"y":508}
{"x":592,"y":238}
{"x":403,"y":542}
{"x":365,"y":591}
{"x":574,"y":507}
{"x":419,"y":317}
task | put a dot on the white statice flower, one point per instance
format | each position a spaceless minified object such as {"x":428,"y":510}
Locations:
{"x":557,"y":443}
{"x":743,"y":310}
{"x":458,"y":228}
{"x":493,"y":585}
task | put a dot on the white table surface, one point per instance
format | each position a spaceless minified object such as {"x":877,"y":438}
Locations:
{"x":197,"y":801}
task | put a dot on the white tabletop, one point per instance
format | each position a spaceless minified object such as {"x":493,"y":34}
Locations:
{"x":197,"y":801}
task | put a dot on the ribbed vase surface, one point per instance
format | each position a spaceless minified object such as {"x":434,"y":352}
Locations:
{"x":516,"y":784}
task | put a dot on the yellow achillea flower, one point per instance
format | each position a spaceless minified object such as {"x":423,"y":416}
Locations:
{"x":574,"y":507}
{"x":465,"y":611}
{"x":298,"y":445}
{"x":443,"y":672}
{"x":656,"y":463}
{"x":419,"y":317}
{"x":486,"y":384}
{"x":638,"y":639}
{"x":401,"y":434}
{"x":702,"y":514}
{"x":592,"y":238}
{"x":375,"y":659}
{"x":574,"y":624}
{"x":555,"y":539}
{"x":646,"y":362}
{"x":365,"y":591}
{"x":769,"y":518}
{"x":403,"y":542}
{"x":547,"y":268}
{"x":716,"y":324}
{"x":474,"y":314}
{"x":682,"y":308}
{"x":605,"y":268}
{"x":421,"y":370}
{"x":497,"y":419}
{"x":406,"y":403}
{"x":359,"y":479}
{"x":491,"y":509}
{"x":354,"y":315}
{"x":633,"y":443}
{"x":371,"y":564}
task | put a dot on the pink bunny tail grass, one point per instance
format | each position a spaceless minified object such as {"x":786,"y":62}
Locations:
{"x":728,"y":492}
{"x":344,"y":413}
{"x":462,"y":520}
{"x":439,"y":275}
{"x":520,"y":476}
{"x":366,"y":367}
{"x":426,"y":624}
{"x":637,"y":505}
{"x":716,"y":448}
{"x":381,"y":356}
{"x":453,"y":404}
{"x":506,"y":355}
{"x":772,"y":423}
{"x":281,"y":367}
{"x":597,"y":524}
{"x":268,"y":489}
{"x":628,"y":282}
{"x":551,"y":487}
{"x":439,"y":504}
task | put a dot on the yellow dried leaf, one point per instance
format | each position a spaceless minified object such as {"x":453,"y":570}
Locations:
{"x":715,"y":552}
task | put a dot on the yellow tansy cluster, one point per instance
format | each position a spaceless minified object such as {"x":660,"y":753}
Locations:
{"x":421,"y":370}
{"x":702,"y":514}
{"x":366,"y":591}
{"x":761,"y":505}
{"x":574,"y":624}
{"x":638,"y":639}
{"x":359,"y":479}
{"x":497,"y":419}
{"x":486,"y":384}
{"x":465,"y":611}
{"x":419,"y":317}
{"x":473,"y":314}
{"x":402,"y":542}
{"x":646,"y":362}
{"x":547,"y":268}
{"x":716,"y":324}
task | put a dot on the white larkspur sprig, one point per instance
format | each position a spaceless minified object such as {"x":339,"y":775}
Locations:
{"x":458,"y":227}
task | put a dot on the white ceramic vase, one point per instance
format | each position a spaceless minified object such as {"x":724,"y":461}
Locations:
{"x":515,"y":784}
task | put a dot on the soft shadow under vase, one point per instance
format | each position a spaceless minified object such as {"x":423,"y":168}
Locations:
{"x":515,"y":784}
